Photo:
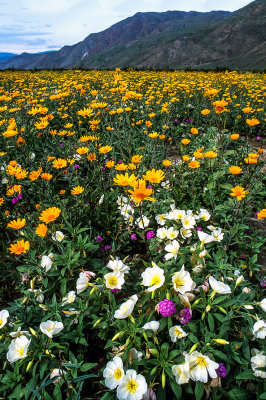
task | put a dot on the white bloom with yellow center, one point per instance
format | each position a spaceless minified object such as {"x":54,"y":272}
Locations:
{"x":160,"y":219}
{"x":218,"y":234}
{"x":51,"y":328}
{"x":172,"y":250}
{"x":114,"y":280}
{"x":175,"y":214}
{"x":18,"y":349}
{"x":205,"y":238}
{"x":113,"y":373}
{"x":171,"y":233}
{"x":188,"y":221}
{"x":4,"y":314}
{"x":176,"y":332}
{"x":185,"y":233}
{"x":263,"y":304}
{"x":153,"y":277}
{"x":181,"y":373}
{"x":58,"y":237}
{"x":46,"y":262}
{"x":82,"y":283}
{"x":218,"y":286}
{"x":182,"y":281}
{"x":142,"y":222}
{"x":259,"y":329}
{"x":200,"y":366}
{"x":133,"y":386}
{"x":258,"y":361}
{"x":118,"y":265}
{"x":126,"y":308}
{"x":69,"y":297}
{"x":19,"y":333}
{"x":161,"y":233}
{"x":204,"y":214}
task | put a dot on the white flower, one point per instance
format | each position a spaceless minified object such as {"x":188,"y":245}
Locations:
{"x":188,"y":221}
{"x":161,"y":233}
{"x":46,"y":262}
{"x":172,"y":250}
{"x":218,"y":286}
{"x":121,"y":200}
{"x":118,"y":265}
{"x":126,"y":308}
{"x":18,"y":333}
{"x":259,"y":329}
{"x":218,"y":235}
{"x":205,"y":238}
{"x":181,"y":373}
{"x":126,"y":210}
{"x":4,"y":181}
{"x":133,"y":355}
{"x":142,"y":222}
{"x":32,"y":156}
{"x":113,"y":373}
{"x":258,"y":361}
{"x":160,"y":219}
{"x":69,"y":297}
{"x":133,"y":386}
{"x":171,"y":233}
{"x":82,"y":283}
{"x":185,"y":233}
{"x":114,"y":280}
{"x":59,"y":236}
{"x":101,"y":199}
{"x":204,"y":214}
{"x":18,"y":348}
{"x":263,"y":304}
{"x":4,"y":314}
{"x":152,"y":325}
{"x":176,"y":332}
{"x":153,"y":277}
{"x":57,"y":372}
{"x":182,"y":281}
{"x":200,"y":366}
{"x":51,"y":328}
{"x":175,"y":214}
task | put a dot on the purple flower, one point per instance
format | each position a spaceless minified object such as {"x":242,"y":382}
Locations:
{"x":221,"y":370}
{"x":150,"y":235}
{"x":242,"y":256}
{"x":77,"y":166}
{"x":115,"y":290}
{"x":166,"y":308}
{"x":198,"y":228}
{"x":61,"y":144}
{"x":99,"y":239}
{"x":107,"y":247}
{"x":120,"y":162}
{"x":263,"y":283}
{"x":258,"y":138}
{"x":133,"y":236}
{"x":103,"y":168}
{"x":149,"y":187}
{"x":16,"y":199}
{"x":185,"y":315}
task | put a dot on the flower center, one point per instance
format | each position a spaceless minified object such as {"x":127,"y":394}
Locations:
{"x":112,"y":281}
{"x":20,"y":350}
{"x":155,"y":280}
{"x":179,"y":282}
{"x":118,"y":374}
{"x":132,"y":386}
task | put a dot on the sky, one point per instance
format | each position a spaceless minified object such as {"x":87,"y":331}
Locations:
{"x":43,"y":25}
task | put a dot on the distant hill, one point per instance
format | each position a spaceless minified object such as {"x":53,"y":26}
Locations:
{"x":172,"y":39}
{"x":6,"y":56}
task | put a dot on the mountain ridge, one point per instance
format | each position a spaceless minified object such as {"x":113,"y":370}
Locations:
{"x":170,"y":39}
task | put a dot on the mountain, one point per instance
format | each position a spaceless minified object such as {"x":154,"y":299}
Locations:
{"x":172,"y":39}
{"x":6,"y":56}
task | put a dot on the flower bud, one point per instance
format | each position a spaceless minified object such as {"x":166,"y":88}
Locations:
{"x":163,"y":380}
{"x":193,"y":348}
{"x":220,"y":341}
{"x":239,"y":280}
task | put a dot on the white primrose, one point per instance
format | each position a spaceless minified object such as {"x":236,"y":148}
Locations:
{"x":4,"y":314}
{"x":118,"y":265}
{"x":114,"y":280}
{"x":171,"y":233}
{"x":51,"y":328}
{"x":218,"y":286}
{"x":161,"y":233}
{"x":69,"y":297}
{"x":259,"y":329}
{"x":58,"y":237}
{"x":153,"y":277}
{"x":142,"y":222}
{"x":200,"y":366}
{"x":18,"y":349}
{"x":82,"y":283}
{"x":126,"y":308}
{"x":152,"y":325}
{"x":133,"y":386}
{"x":182,"y":281}
{"x":188,"y":221}
{"x":181,"y":373}
{"x":113,"y":373}
{"x":176,"y":332}
{"x":258,"y":361}
{"x":172,"y":250}
{"x":47,"y":262}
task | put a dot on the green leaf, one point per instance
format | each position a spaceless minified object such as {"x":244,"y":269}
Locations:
{"x":87,"y":366}
{"x":248,"y":374}
{"x":177,"y":389}
{"x":199,"y":390}
{"x":211,"y":322}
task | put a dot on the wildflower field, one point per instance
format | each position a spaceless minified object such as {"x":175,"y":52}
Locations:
{"x":132,"y":235}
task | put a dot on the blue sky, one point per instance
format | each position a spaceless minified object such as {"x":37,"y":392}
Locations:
{"x":41,"y":25}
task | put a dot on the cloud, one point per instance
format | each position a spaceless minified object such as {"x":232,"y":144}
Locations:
{"x":49,"y":7}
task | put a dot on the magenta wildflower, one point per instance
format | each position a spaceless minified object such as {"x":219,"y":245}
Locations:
{"x":150,"y":235}
{"x":221,"y":370}
{"x":185,"y":315}
{"x":115,"y":290}
{"x":133,"y":236}
{"x":99,"y":239}
{"x":166,"y":308}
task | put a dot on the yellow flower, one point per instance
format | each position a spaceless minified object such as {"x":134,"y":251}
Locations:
{"x":239,"y":192}
{"x":1,"y":200}
{"x":262,"y":213}
{"x":235,"y":170}
{"x":125,"y":180}
{"x":210,"y":154}
{"x":205,"y":111}
{"x":35,"y":174}
{"x":19,"y":247}
{"x":41,"y":230}
{"x":62,"y":192}
{"x":136,"y":159}
{"x":220,"y":106}
{"x":251,"y":160}
{"x":50,"y":214}
{"x":77,"y":190}
{"x":194,"y":131}
{"x":185,"y":157}
{"x":194,"y":164}
{"x":41,"y":124}
{"x":185,"y":141}
{"x":166,"y":163}
{"x":91,"y":157}
{"x":246,"y":110}
{"x":105,"y":149}
{"x":17,"y":224}
{"x":121,"y":167}
{"x":154,"y":176}
{"x":252,"y":122}
{"x":46,"y":176}
{"x":141,"y":193}
{"x":82,"y":150}
{"x":109,"y":164}
{"x":59,"y":163}
{"x":234,"y":136}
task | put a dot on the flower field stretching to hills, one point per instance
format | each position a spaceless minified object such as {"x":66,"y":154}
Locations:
{"x":132,"y":235}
